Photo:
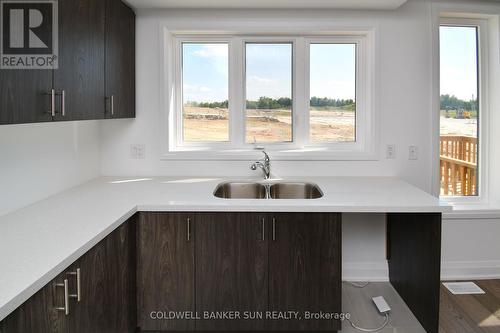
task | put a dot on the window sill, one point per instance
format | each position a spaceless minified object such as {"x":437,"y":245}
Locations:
{"x":306,"y":154}
{"x":467,"y":212}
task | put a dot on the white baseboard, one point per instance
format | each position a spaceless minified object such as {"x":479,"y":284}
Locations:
{"x":470,"y":270}
{"x":365,"y":271}
{"x":450,"y":270}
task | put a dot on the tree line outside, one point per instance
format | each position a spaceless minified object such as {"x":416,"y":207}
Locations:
{"x":448,"y":102}
{"x":451,"y":102}
{"x":283,"y":103}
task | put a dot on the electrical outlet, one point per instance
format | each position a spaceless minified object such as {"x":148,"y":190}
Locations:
{"x":413,"y":153}
{"x":137,"y":151}
{"x":391,"y":152}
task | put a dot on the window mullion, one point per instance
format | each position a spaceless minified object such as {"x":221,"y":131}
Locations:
{"x":236,"y":94}
{"x":301,"y":93}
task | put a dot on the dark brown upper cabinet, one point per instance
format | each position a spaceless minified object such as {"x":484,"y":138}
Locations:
{"x":81,"y":60}
{"x":24,"y":95}
{"x":95,"y":78}
{"x":120,"y":60}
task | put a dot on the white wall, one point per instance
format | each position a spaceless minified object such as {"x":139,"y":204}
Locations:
{"x":404,"y":60}
{"x":403,"y":56}
{"x":404,"y":67}
{"x":38,"y":160}
{"x":471,"y":248}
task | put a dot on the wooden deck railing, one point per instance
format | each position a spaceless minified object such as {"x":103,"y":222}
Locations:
{"x":458,"y":165}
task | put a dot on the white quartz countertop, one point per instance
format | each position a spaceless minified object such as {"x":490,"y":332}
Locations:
{"x":41,"y":240}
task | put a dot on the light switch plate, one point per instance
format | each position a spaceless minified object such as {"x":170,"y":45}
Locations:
{"x":137,"y":151}
{"x":413,"y":153}
{"x":391,"y":152}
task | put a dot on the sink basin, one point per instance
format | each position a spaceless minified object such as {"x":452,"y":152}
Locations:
{"x":282,"y":190}
{"x":295,"y":191}
{"x":240,"y":190}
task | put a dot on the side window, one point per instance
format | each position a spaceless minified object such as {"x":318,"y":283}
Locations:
{"x":460,"y":110}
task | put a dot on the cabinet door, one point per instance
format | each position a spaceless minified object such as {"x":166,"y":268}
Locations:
{"x":121,"y":277}
{"x":107,"y":277}
{"x":90,"y":314}
{"x":81,"y":59}
{"x":39,"y":313}
{"x":23,"y":95}
{"x":165,"y":270}
{"x":231,"y":269}
{"x":120,"y":60}
{"x":305,"y":269}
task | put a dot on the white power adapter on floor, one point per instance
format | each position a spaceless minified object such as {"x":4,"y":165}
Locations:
{"x":381,"y":305}
{"x":383,"y":308}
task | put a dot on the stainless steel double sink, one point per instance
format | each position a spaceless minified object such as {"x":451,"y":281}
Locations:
{"x":271,"y":190}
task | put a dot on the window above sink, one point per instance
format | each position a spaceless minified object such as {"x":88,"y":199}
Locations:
{"x":301,"y":97}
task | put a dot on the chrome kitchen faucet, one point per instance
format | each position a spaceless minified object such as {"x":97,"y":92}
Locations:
{"x":265,"y":166}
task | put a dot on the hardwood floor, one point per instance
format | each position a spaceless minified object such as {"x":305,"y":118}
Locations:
{"x":471,"y":313}
{"x":458,"y":313}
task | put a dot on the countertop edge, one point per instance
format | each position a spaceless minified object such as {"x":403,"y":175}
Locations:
{"x":9,"y":307}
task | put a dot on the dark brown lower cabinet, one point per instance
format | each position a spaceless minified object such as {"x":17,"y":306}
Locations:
{"x":305,"y":270}
{"x":231,"y":270}
{"x":165,"y":271}
{"x":39,"y":313}
{"x":414,"y":254}
{"x":107,"y":284}
{"x":107,"y":292}
{"x":216,"y":266}
{"x":197,"y":272}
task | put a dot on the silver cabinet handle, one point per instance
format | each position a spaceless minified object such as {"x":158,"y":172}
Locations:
{"x":111,"y":109}
{"x":263,"y":229}
{"x":52,"y":94}
{"x":64,"y":308}
{"x":274,"y":229}
{"x":63,"y":103}
{"x":188,"y":229}
{"x":78,"y":294}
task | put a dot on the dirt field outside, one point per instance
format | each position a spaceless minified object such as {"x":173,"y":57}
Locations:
{"x":212,"y":124}
{"x":460,"y":127}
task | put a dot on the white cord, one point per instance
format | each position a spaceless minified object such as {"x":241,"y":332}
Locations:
{"x":358,"y":285}
{"x":386,"y":321}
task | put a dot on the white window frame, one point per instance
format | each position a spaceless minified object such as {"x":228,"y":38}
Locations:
{"x":365,"y":147}
{"x":483,"y":117}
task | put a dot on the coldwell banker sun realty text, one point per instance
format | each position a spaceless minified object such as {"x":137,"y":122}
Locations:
{"x":29,"y":35}
{"x":248,"y":315}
